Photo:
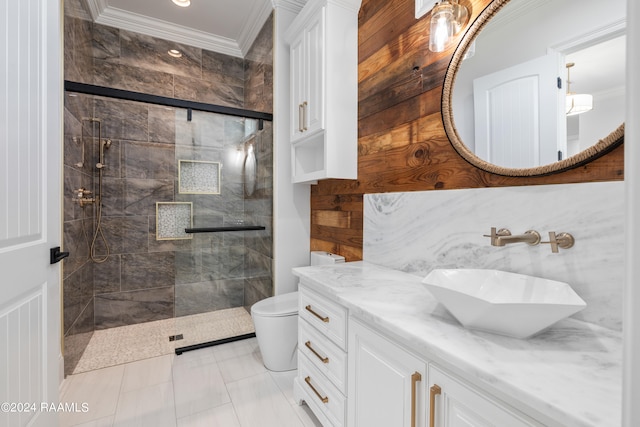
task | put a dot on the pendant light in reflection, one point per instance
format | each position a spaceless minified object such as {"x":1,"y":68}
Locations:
{"x":576,"y":103}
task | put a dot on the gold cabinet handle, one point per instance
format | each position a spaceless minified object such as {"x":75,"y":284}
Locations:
{"x":433,"y":392}
{"x":415,"y":377}
{"x":310,"y":310}
{"x":300,"y":115}
{"x":322,"y":359}
{"x":324,"y":399}
{"x":304,"y":116}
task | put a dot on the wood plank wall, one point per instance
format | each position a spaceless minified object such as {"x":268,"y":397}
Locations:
{"x":401,"y":139}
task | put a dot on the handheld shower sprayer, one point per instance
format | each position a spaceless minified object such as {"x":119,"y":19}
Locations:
{"x":105,"y":144}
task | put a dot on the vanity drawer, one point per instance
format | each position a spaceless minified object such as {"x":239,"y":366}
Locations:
{"x":327,"y":357}
{"x":325,"y":315}
{"x":319,"y":394}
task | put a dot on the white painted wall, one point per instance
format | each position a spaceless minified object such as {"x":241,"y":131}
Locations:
{"x":291,"y":202}
{"x":631,"y":372}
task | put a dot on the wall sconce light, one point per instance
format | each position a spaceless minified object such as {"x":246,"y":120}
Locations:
{"x":448,"y":18}
{"x":576,"y":103}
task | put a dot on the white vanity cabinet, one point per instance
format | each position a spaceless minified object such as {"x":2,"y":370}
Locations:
{"x":456,"y":404}
{"x":322,"y":357}
{"x":323,"y":41}
{"x":386,"y":383}
{"x":390,"y":386}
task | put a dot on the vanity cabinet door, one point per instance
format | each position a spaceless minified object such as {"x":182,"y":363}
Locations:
{"x":386,"y":385}
{"x":455,"y":404}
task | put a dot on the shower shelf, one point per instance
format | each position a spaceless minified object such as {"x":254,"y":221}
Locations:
{"x":222,"y":229}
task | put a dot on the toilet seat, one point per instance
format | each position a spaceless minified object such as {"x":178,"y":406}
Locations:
{"x":277,"y":306}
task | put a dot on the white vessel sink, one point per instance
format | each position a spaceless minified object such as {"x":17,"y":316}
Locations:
{"x":510,"y":304}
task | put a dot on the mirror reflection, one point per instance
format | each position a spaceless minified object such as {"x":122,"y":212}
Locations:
{"x":516,"y":104}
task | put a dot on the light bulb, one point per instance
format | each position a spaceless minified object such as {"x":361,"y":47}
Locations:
{"x":442,"y":27}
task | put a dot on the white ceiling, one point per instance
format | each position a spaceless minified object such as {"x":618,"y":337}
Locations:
{"x":225,"y":26}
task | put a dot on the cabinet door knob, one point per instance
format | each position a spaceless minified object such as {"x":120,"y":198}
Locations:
{"x":433,"y":392}
{"x":415,"y":377}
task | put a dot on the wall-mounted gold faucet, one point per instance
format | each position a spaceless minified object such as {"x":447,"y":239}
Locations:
{"x":503,"y":237}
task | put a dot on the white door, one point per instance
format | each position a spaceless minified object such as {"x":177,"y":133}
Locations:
{"x":30,"y":150}
{"x":519,"y":114}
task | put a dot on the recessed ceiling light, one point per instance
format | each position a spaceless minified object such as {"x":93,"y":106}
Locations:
{"x":182,"y":3}
{"x":175,"y":53}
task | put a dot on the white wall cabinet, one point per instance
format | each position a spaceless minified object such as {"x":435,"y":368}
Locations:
{"x":323,"y":43}
{"x":386,"y":383}
{"x":307,"y":58}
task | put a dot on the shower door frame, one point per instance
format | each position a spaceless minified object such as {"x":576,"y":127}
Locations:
{"x":89,"y":89}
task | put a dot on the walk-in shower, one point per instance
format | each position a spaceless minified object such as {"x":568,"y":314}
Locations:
{"x":181,"y":210}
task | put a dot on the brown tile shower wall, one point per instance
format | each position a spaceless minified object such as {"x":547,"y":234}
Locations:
{"x":78,"y":313}
{"x":144,"y":279}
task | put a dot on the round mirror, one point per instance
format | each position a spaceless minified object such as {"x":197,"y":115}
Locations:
{"x":537,"y":86}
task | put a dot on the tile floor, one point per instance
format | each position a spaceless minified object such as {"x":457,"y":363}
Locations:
{"x":225,"y":386}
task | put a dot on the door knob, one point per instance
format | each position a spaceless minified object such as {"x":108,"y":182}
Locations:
{"x":55,"y":255}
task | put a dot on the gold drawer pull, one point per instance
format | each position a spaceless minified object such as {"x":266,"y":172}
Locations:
{"x":433,"y":392}
{"x":415,"y":377}
{"x":322,"y":359}
{"x":323,"y":399}
{"x":310,"y":310}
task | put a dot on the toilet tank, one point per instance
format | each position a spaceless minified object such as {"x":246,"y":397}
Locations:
{"x":322,"y":258}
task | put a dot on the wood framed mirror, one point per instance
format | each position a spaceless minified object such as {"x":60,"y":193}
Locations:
{"x":504,"y":114}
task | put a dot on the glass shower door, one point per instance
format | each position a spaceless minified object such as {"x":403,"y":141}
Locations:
{"x":223,"y":196}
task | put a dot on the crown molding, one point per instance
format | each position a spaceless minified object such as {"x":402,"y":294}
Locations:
{"x":253,"y":26}
{"x":103,"y":14}
{"x":96,"y":7}
{"x":294,"y":6}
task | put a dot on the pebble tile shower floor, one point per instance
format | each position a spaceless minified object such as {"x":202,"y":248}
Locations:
{"x":125,"y":344}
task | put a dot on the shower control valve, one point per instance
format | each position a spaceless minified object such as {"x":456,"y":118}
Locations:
{"x":82,"y":198}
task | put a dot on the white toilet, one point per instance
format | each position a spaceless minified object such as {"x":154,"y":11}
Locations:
{"x":276,"y":322}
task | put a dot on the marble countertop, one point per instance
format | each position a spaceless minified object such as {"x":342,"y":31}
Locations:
{"x":569,"y":375}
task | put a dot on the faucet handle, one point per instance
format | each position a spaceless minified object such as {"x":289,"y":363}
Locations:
{"x":560,"y":240}
{"x":495,"y":234}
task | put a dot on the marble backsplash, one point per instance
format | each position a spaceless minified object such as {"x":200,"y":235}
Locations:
{"x":418,"y":231}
